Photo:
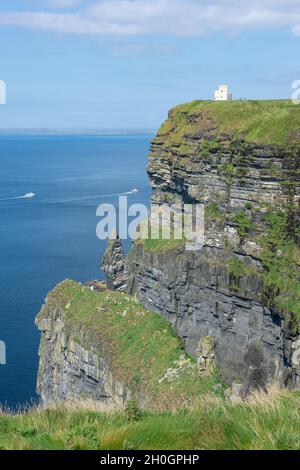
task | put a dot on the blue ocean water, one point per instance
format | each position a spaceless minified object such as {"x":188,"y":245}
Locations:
{"x":53,"y":236}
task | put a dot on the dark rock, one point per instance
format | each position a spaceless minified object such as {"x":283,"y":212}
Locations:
{"x":113,"y":264}
{"x":190,"y":289}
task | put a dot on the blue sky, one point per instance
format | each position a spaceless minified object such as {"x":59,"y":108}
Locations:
{"x":125,"y":63}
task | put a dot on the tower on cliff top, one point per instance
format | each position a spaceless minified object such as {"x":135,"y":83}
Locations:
{"x":222,"y":93}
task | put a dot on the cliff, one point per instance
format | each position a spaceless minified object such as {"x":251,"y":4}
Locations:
{"x":105,"y":346}
{"x":241,"y":160}
{"x":234,"y":305}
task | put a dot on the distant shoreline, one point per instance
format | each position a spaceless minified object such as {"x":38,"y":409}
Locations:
{"x":92,"y":132}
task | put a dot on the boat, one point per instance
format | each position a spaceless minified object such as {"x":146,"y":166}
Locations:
{"x":135,"y":190}
{"x":29,"y":195}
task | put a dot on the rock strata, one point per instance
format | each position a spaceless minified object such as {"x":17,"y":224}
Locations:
{"x":113,"y":264}
{"x":231,"y":290}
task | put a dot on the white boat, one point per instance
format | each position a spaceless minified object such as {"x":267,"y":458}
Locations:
{"x":29,"y":195}
{"x":135,"y":190}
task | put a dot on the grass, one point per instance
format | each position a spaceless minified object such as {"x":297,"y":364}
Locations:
{"x":267,"y":122}
{"x":158,"y":242}
{"x":265,"y":422}
{"x":243,"y":224}
{"x":139,"y":345}
{"x":160,"y":245}
{"x":213,"y":212}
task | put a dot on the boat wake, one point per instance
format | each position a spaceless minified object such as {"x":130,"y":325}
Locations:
{"x":25,"y":196}
{"x":87,"y":198}
{"x":81,"y":198}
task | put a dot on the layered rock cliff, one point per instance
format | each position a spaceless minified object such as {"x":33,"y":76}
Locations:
{"x":241,"y":160}
{"x":114,"y":266}
{"x":105,"y":346}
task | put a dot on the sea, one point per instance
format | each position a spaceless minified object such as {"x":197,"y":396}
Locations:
{"x":52,"y":236}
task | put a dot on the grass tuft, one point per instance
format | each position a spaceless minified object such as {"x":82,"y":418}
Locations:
{"x":265,"y":421}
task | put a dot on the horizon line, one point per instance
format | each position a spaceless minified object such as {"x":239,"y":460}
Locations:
{"x":66,"y":130}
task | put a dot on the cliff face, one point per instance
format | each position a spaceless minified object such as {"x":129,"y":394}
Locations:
{"x":193,"y":291}
{"x":72,"y":364}
{"x":242,"y":161}
{"x":106,"y":346}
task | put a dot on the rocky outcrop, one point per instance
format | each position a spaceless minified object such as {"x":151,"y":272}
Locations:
{"x":113,"y":265}
{"x":71,"y":364}
{"x":206,"y":355}
{"x":105,"y":346}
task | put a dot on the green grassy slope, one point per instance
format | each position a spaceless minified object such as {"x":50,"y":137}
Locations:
{"x":267,"y":121}
{"x":268,"y":422}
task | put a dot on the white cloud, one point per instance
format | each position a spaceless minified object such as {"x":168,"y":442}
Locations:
{"x":161,"y":17}
{"x":62,"y":3}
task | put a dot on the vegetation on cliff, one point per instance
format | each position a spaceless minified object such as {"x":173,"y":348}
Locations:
{"x":162,"y":245}
{"x":242,"y":160}
{"x":264,"y":422}
{"x":141,"y":348}
{"x":281,"y":260}
{"x":261,"y":121}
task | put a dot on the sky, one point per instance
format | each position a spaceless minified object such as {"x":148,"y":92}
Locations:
{"x":122,"y":64}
